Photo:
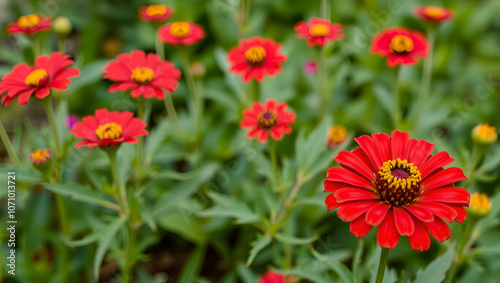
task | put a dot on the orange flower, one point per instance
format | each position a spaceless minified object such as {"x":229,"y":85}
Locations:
{"x":29,"y":24}
{"x":433,"y":13}
{"x":318,"y":31}
{"x":155,"y":13}
{"x":184,"y":33}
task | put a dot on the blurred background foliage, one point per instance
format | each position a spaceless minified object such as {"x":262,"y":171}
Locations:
{"x":200,"y":233}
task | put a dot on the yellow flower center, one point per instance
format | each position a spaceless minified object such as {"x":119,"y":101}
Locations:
{"x":255,"y":56}
{"x":434,"y":12}
{"x":398,"y":182}
{"x":40,"y":155}
{"x":34,"y":78}
{"x":142,"y":75}
{"x":337,"y":134}
{"x":479,"y":202}
{"x":267,"y":120}
{"x":401,"y":44}
{"x":319,"y":30}
{"x":29,"y":21}
{"x":487,"y":132}
{"x":156,"y":10}
{"x":109,"y":131}
{"x":180,"y":29}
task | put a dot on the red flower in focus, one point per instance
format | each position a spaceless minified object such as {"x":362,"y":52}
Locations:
{"x":49,"y":72}
{"x":144,"y":75}
{"x":400,"y":46}
{"x":155,"y":13}
{"x":274,"y":277}
{"x":433,"y":13}
{"x":318,"y":31}
{"x":395,"y":182}
{"x":184,"y":33}
{"x":256,"y":57}
{"x":266,"y":119}
{"x":29,"y":24}
{"x":108,"y":128}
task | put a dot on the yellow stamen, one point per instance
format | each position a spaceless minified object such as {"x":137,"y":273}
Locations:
{"x":337,"y":133}
{"x":267,"y":120}
{"x":34,"y":78}
{"x":401,"y":44}
{"x":434,"y":12}
{"x":109,"y":131}
{"x":40,"y":154}
{"x":142,"y":75}
{"x":480,"y":204}
{"x":255,"y":55}
{"x":180,"y":29}
{"x":398,"y":182}
{"x":29,"y":21}
{"x":156,"y":10}
{"x":319,"y":30}
{"x":484,"y":134}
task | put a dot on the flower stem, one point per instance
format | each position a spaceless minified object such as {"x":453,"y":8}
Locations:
{"x":140,"y":113}
{"x":160,"y":50}
{"x":129,"y":247}
{"x":384,"y":254}
{"x":272,"y":153}
{"x":169,"y":104}
{"x":325,"y":9}
{"x":397,"y":113}
{"x":8,"y":146}
{"x":255,"y":90}
{"x":426,"y":77}
{"x":322,"y":82}
{"x":119,"y":188}
{"x":47,"y":104}
{"x":196,"y":96}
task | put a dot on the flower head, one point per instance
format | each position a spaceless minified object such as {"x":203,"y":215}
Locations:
{"x":433,"y":13}
{"x":185,"y":33}
{"x":318,"y":31}
{"x":49,"y":72}
{"x":256,"y":57}
{"x":40,"y":156}
{"x":108,"y":128}
{"x":155,"y":13}
{"x":266,"y":119}
{"x":400,"y":46}
{"x":29,"y":24}
{"x":336,"y":135}
{"x":480,"y":204}
{"x":62,"y":27}
{"x":484,"y":134}
{"x":395,"y":183}
{"x":310,"y":67}
{"x":146,"y":76}
{"x":274,"y":277}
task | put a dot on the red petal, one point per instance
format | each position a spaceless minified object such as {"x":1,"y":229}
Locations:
{"x":348,"y":159}
{"x":436,"y":161}
{"x":462,"y":213}
{"x":448,"y":195}
{"x":443,"y":211}
{"x":333,"y":186}
{"x":383,"y":143}
{"x":387,"y":234}
{"x":445,"y":177}
{"x":419,"y":212}
{"x":422,"y":151}
{"x":370,"y":148}
{"x":398,"y":144}
{"x":338,"y":174}
{"x":439,"y":229}
{"x":352,"y":194}
{"x":330,"y":202}
{"x":420,"y":240}
{"x":376,"y":214}
{"x":352,"y":210}
{"x":359,"y":227}
{"x":403,"y":220}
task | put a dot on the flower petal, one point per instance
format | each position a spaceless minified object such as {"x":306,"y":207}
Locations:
{"x":359,"y":227}
{"x":346,"y":158}
{"x":421,"y":213}
{"x":338,"y":174}
{"x":420,"y":240}
{"x":352,"y":194}
{"x":443,"y":178}
{"x":441,"y":210}
{"x":438,"y":229}
{"x":331,"y":202}
{"x":352,"y":210}
{"x":398,"y":144}
{"x":448,"y":195}
{"x":375,"y":215}
{"x":387,"y":234}
{"x":436,"y":161}
{"x":403,"y":220}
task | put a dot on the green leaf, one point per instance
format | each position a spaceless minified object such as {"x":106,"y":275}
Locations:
{"x":193,"y":265}
{"x":309,"y":150}
{"x":338,"y":267}
{"x":246,"y":274}
{"x":262,"y":241}
{"x":89,"y":239}
{"x":89,"y":74}
{"x":436,"y":270}
{"x":155,"y":139}
{"x":384,"y":97}
{"x":226,"y":206}
{"x":293,"y":240}
{"x":105,"y":242}
{"x":80,"y":193}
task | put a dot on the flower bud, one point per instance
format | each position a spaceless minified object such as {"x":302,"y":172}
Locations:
{"x":484,"y":134}
{"x":336,"y":135}
{"x":310,"y":67}
{"x":41,"y":159}
{"x":198,"y":70}
{"x":62,"y":26}
{"x":480,"y":204}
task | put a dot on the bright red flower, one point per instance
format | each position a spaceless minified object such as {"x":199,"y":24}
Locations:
{"x":29,"y":24}
{"x":155,"y":13}
{"x":144,"y":75}
{"x":318,"y":31}
{"x":185,"y":33}
{"x":395,"y":182}
{"x":109,"y":128}
{"x":274,"y":277}
{"x":49,"y":72}
{"x":433,"y":13}
{"x":266,"y":119}
{"x":400,"y":46}
{"x":256,"y":57}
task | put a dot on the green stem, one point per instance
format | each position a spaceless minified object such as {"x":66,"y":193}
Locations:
{"x":255,"y":90}
{"x":61,"y":46}
{"x":169,"y":104}
{"x":397,"y":113}
{"x":272,"y":153}
{"x":196,"y":97}
{"x":47,"y":104}
{"x":8,"y":146}
{"x":129,"y":248}
{"x":322,"y":82}
{"x":63,"y":222}
{"x":325,"y":9}
{"x":119,"y":188}
{"x":160,"y":50}
{"x":140,"y":113}
{"x":426,"y":77}
{"x":384,"y":254}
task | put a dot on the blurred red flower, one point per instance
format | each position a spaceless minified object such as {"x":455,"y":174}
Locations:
{"x":400,"y":46}
{"x":266,"y":119}
{"x":395,"y":182}
{"x":256,"y":57}
{"x":144,"y":75}
{"x":433,"y":13}
{"x":49,"y":72}
{"x":108,"y":128}
{"x":318,"y":31}
{"x":185,"y":33}
{"x":274,"y":277}
{"x":29,"y":24}
{"x":155,"y":13}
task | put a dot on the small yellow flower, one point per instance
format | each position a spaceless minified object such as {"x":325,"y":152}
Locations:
{"x":480,"y":204}
{"x":484,"y":134}
{"x":336,"y":135}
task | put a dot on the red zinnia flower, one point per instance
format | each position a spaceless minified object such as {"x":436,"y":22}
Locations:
{"x":49,"y":72}
{"x":145,"y":75}
{"x":433,"y":13}
{"x":318,"y":31}
{"x":274,"y":277}
{"x":155,"y":13}
{"x":256,"y":57}
{"x":400,"y":45}
{"x":185,"y":33}
{"x":269,"y":118}
{"x":108,"y":128}
{"x":396,"y":183}
{"x":29,"y":24}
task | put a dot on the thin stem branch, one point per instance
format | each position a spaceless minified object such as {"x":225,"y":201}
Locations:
{"x":196,"y":97}
{"x":8,"y":146}
{"x":397,"y":113}
{"x":119,"y":188}
{"x":160,"y":50}
{"x":426,"y":77}
{"x":47,"y":105}
{"x":169,"y":105}
{"x":323,"y":87}
{"x":272,"y":153}
{"x":384,"y":254}
{"x":255,"y":90}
